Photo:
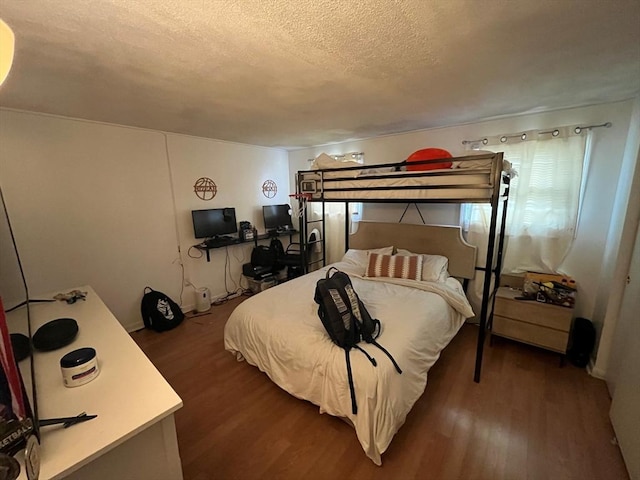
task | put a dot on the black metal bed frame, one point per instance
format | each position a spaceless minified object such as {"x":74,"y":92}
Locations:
{"x":495,"y":195}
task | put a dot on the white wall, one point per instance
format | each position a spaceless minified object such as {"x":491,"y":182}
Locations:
{"x":586,"y":260}
{"x":92,"y":203}
{"x":618,"y":254}
{"x":239,"y":172}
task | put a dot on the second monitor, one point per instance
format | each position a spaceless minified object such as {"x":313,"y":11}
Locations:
{"x":277,"y":218}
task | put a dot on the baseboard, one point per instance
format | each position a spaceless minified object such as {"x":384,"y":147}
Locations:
{"x":596,"y":372}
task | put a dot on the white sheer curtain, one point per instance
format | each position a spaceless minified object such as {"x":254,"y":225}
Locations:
{"x":543,"y":202}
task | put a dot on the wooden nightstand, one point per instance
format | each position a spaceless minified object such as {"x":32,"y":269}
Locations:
{"x":531,"y":322}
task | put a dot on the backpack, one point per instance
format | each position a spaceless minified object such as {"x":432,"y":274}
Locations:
{"x":159,"y":312}
{"x":277,"y":248}
{"x":262,"y":256}
{"x":346,"y":320}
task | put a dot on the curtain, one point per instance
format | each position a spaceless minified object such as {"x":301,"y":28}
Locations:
{"x":543,"y":204}
{"x":543,"y":208}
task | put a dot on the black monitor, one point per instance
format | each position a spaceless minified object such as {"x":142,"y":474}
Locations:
{"x":214,"y":222}
{"x":277,"y":217}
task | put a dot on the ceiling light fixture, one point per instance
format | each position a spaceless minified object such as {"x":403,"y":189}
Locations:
{"x":7,"y":43}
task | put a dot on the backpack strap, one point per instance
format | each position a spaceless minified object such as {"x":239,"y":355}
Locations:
{"x":354,"y":406}
{"x":147,"y":288}
{"x":376,"y":328}
{"x":330,"y":270}
{"x":388,"y":355}
{"x":371,"y":359}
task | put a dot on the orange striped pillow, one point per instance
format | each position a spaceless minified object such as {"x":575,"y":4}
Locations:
{"x":395,"y":266}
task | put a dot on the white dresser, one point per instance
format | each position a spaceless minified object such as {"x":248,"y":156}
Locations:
{"x":134,"y":435}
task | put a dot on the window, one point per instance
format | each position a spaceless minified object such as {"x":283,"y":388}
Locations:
{"x":543,"y":202}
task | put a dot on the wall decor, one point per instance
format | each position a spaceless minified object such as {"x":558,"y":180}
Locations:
{"x":269,"y":188}
{"x":205,"y":188}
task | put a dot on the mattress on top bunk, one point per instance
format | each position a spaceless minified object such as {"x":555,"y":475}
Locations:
{"x":404,"y":185}
{"x":467,"y":179}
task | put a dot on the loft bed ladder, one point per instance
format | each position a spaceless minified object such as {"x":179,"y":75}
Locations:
{"x":306,"y":225}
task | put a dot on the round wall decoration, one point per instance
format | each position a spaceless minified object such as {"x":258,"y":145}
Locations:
{"x":205,"y":188}
{"x":269,"y":188}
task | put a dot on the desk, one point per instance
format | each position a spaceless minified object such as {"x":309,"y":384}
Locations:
{"x":134,"y":435}
{"x":237,"y":241}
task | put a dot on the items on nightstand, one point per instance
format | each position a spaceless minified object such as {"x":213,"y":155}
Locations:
{"x":550,"y":288}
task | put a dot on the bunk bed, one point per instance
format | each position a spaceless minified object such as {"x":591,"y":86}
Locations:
{"x":477,"y":178}
{"x":279,"y":332}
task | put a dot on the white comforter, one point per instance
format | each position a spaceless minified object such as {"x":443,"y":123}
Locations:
{"x":279,"y":331}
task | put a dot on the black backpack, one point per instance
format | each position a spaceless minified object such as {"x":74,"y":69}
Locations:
{"x":277,"y":248}
{"x":263,"y":256}
{"x":346,"y":320}
{"x":159,"y":312}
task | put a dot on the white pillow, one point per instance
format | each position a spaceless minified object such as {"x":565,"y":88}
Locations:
{"x":360,"y":258}
{"x":434,"y":267}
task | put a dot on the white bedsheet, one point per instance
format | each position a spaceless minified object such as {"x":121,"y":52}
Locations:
{"x":279,"y":331}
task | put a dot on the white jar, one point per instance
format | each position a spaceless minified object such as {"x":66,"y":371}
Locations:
{"x":79,"y":367}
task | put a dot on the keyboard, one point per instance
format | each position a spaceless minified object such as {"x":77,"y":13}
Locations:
{"x":219,"y":242}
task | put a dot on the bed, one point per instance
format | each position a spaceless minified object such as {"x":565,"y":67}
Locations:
{"x":278,"y":330}
{"x":472,"y":178}
{"x":478,"y":177}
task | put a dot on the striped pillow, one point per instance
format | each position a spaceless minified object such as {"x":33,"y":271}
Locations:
{"x":395,"y":266}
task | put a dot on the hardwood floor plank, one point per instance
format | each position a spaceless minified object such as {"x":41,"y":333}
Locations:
{"x":528,"y":418}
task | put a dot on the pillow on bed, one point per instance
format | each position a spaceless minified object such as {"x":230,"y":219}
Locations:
{"x":395,"y":266}
{"x":360,"y":257}
{"x":434,"y":267}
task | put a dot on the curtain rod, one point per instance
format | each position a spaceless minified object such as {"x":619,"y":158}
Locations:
{"x":555,"y":132}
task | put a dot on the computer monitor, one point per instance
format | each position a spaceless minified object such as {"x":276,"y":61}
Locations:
{"x":277,"y":217}
{"x":214,"y":222}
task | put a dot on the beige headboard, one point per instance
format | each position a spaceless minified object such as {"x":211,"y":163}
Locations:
{"x":433,"y":239}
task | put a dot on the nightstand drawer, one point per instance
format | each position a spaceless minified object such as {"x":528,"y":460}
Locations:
{"x":551,"y":316}
{"x":533,"y":334}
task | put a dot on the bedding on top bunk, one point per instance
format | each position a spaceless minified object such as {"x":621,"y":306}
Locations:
{"x":325,"y":162}
{"x":279,"y":331}
{"x":469,"y":179}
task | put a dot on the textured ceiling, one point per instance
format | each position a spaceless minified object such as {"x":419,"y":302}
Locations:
{"x":295,"y":73}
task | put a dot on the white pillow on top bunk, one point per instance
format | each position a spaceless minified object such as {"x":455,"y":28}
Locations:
{"x":435,"y":268}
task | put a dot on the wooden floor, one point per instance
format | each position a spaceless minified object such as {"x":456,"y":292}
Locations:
{"x":527,"y":419}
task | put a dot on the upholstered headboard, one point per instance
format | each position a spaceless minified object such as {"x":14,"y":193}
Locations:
{"x":432,"y":239}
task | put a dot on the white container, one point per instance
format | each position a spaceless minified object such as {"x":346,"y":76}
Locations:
{"x":257,"y":286}
{"x":203,"y":299}
{"x":79,"y":367}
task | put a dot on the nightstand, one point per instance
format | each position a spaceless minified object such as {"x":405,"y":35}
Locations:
{"x":539,"y":324}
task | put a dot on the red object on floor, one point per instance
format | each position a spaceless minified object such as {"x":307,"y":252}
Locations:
{"x":428,"y":154}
